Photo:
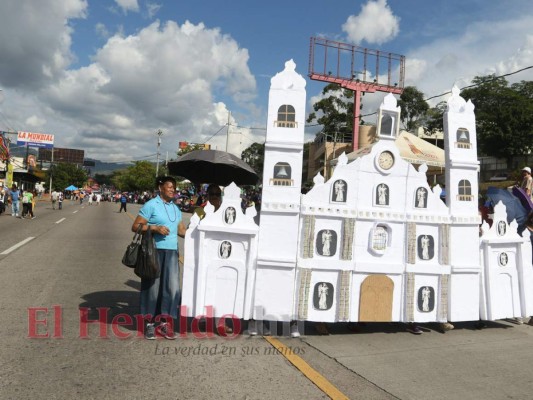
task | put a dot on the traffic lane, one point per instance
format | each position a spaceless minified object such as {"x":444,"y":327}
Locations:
{"x":15,"y":230}
{"x":81,"y":268}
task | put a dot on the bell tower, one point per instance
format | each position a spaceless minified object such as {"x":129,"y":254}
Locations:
{"x":462,"y":165}
{"x":462,"y":188}
{"x":280,"y":202}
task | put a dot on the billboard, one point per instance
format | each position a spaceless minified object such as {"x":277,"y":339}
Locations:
{"x":62,"y":155}
{"x":44,"y":140}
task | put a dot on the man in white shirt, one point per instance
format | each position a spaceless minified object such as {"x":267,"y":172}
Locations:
{"x":54,"y":197}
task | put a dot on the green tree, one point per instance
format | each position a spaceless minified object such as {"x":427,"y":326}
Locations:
{"x":433,"y":120}
{"x":334,"y":113}
{"x":102,"y":179}
{"x":254,"y":156}
{"x":64,"y":175}
{"x":504,"y":116}
{"x":413,"y":108}
{"x":138,"y":177}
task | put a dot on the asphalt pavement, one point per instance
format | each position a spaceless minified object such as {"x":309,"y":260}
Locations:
{"x":64,"y":266}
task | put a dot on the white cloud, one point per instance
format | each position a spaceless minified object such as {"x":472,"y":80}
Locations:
{"x":482,"y":48}
{"x":375,"y":24}
{"x":128,"y":5}
{"x":164,"y":77}
{"x":101,"y":30}
{"x":35,"y":122}
{"x":38,"y":48}
{"x":152,"y":9}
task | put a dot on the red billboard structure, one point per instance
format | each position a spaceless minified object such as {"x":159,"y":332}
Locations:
{"x":358,"y":69}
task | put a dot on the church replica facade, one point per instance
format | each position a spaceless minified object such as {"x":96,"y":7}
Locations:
{"x":373,"y":243}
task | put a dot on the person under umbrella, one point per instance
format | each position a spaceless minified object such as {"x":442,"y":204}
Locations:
{"x":161,"y":297}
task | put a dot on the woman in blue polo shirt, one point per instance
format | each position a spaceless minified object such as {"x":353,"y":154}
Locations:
{"x":160,"y":297}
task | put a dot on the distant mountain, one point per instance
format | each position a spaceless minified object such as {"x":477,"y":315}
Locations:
{"x":106,"y":168}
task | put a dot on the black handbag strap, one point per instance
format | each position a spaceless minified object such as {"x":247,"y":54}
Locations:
{"x":138,"y":234}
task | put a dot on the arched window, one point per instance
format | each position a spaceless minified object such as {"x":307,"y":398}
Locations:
{"x":286,"y":117}
{"x":387,"y":123}
{"x":465,"y":191}
{"x":380,"y":238}
{"x":463,"y":139}
{"x":282,"y":175}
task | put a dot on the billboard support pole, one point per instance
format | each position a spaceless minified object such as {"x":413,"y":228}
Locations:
{"x":51,"y":171}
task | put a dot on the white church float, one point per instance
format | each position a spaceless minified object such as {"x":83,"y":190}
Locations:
{"x":373,"y":243}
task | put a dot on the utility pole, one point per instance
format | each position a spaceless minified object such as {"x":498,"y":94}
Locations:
{"x":51,"y":171}
{"x":227,"y":132}
{"x":159,"y":133}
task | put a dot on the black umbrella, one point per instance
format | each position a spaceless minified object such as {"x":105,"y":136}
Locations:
{"x":213,"y":166}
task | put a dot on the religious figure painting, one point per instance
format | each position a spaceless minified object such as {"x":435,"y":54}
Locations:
{"x":225,"y":249}
{"x":323,"y":296}
{"x":229,"y":215}
{"x":339,"y":191}
{"x":502,"y":228}
{"x":426,"y":299}
{"x":426,"y":247}
{"x":326,"y":242}
{"x":382,"y":195}
{"x":503,"y":259}
{"x":421,"y":200}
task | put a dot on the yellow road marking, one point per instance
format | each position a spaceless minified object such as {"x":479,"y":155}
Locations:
{"x":311,"y":374}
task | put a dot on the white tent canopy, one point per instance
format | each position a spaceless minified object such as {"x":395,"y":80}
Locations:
{"x":412,"y":149}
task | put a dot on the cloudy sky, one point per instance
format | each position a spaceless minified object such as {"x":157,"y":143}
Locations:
{"x":105,"y":75}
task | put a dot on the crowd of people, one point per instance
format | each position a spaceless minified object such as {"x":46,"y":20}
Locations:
{"x":22,"y":201}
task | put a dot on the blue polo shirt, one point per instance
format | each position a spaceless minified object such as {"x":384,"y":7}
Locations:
{"x":159,"y":212}
{"x":14,"y":195}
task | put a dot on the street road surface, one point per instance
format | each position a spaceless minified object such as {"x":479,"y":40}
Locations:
{"x":68,"y":260}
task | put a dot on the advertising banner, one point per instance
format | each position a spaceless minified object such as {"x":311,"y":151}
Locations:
{"x":31,"y":139}
{"x":4,"y":152}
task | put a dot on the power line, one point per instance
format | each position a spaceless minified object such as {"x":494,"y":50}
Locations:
{"x":216,"y":133}
{"x":481,"y":83}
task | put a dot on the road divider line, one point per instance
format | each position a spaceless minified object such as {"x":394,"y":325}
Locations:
{"x":61,"y":220}
{"x":12,"y":248}
{"x":74,"y":212}
{"x":313,"y":375}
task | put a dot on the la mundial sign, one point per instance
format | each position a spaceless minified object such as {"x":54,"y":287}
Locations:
{"x":44,"y":140}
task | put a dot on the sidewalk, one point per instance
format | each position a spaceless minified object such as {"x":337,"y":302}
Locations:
{"x":465,"y":363}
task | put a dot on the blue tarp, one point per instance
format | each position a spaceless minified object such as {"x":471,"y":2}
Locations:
{"x":71,"y":188}
{"x":515,"y":209}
